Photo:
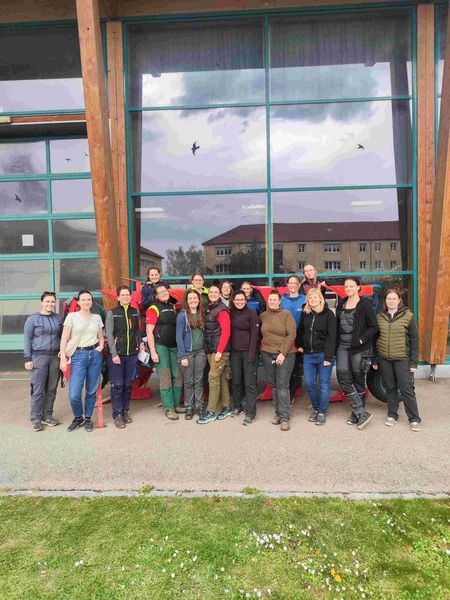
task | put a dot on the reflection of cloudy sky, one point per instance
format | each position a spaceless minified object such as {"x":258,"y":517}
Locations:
{"x":41,"y":94}
{"x":186,"y":220}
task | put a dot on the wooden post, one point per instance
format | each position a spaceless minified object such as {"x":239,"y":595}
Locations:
{"x":99,"y":142}
{"x":114,"y":40}
{"x":438,"y":285}
{"x":425,"y":156}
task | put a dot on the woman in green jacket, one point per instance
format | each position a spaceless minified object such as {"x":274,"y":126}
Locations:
{"x":396,"y":357}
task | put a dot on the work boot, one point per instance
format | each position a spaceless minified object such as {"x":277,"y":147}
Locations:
{"x":126,"y":417}
{"x":285,"y":426}
{"x":119,"y":422}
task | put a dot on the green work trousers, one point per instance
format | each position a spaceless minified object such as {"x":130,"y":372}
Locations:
{"x":170,"y":378}
{"x":219,"y":391}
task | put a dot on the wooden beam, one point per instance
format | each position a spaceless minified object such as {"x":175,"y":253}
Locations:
{"x":114,"y":41}
{"x":425,"y":154}
{"x":48,"y":119}
{"x":96,"y":107}
{"x":438,"y":284}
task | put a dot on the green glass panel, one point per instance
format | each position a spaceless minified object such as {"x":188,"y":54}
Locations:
{"x":22,"y":158}
{"x":23,"y":237}
{"x":24,"y":276}
{"x":74,"y":235}
{"x":74,"y":274}
{"x":23,"y":197}
{"x":69,"y":156}
{"x":72,"y":196}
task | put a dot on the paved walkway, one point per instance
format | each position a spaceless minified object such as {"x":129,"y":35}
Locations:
{"x":225,"y":455}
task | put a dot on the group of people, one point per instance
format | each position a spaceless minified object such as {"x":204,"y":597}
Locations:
{"x":212,"y":348}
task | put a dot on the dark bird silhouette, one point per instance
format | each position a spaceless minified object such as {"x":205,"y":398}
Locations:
{"x":17,"y":199}
{"x":194,"y":148}
{"x":68,"y":159}
{"x":86,"y":154}
{"x":361,"y":147}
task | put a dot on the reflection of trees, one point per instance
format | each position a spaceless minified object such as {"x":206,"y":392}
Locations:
{"x":184,"y":262}
{"x":252,"y":261}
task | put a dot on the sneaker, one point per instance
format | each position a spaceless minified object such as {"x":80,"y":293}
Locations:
{"x":172,"y":415}
{"x":119,"y":422}
{"x":364,"y":420}
{"x":237,"y":412}
{"x":50,"y":422}
{"x":352,"y":420}
{"x":285,"y":426}
{"x":207,"y":418}
{"x":226,"y":412}
{"x":390,"y":421}
{"x":276,"y":420}
{"x":38,"y":427}
{"x":180,"y":410}
{"x":126,"y":417}
{"x":313,"y":416}
{"x":89,"y":424}
{"x":189,"y":414}
{"x":76,"y":424}
{"x":414,"y":426}
{"x":248,"y":420}
{"x":321,"y":418}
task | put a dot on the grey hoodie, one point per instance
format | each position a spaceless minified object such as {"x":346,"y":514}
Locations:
{"x":42,"y":335}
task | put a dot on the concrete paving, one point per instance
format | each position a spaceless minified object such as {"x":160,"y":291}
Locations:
{"x":224,"y":455}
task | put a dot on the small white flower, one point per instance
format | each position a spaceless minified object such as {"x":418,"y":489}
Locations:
{"x":172,"y":575}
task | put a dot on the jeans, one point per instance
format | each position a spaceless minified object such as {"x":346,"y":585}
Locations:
{"x":313,"y":369}
{"x":295,"y":381}
{"x":396,"y":374}
{"x":279,"y":376}
{"x":44,"y":381}
{"x":85,"y":366}
{"x":219,"y":391}
{"x":170,"y":379}
{"x":351,"y":371}
{"x":121,"y":377}
{"x":243,"y":381}
{"x":193,"y":380}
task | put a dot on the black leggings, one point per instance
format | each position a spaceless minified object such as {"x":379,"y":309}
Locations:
{"x":351,"y":370}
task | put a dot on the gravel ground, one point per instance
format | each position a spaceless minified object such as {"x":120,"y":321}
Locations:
{"x":224,"y":455}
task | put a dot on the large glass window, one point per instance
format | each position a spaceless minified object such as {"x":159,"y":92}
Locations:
{"x":22,"y":158}
{"x":40,"y":69}
{"x":23,"y":197}
{"x":313,"y":145}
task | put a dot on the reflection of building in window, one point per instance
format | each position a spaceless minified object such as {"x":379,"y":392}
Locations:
{"x":332,"y":265}
{"x":331,"y":248}
{"x":148,"y":259}
{"x":247,"y":246}
{"x":363,"y":246}
{"x":223,"y":268}
{"x":301,"y":265}
{"x":393,"y":246}
{"x":301,"y":248}
{"x":393,"y":264}
{"x":378,"y":264}
{"x":223,"y":251}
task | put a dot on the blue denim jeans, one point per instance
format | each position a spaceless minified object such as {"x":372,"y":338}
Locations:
{"x":86,"y":366}
{"x":313,"y":369}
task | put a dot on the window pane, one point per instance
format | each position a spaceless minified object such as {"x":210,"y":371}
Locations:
{"x":22,"y":158}
{"x":23,"y":237}
{"x":76,"y":235}
{"x":73,"y":195}
{"x":40,"y":69}
{"x":360,"y":143}
{"x":69,"y":156}
{"x":353,"y":227}
{"x":340,"y":56}
{"x":23,"y":197}
{"x":230,"y":149}
{"x":184,"y":233}
{"x":14,"y":313}
{"x":196,"y":63}
{"x":74,"y":274}
{"x":442,"y":41}
{"x":24,"y":276}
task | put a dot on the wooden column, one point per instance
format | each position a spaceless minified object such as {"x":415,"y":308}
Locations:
{"x":116,"y":98}
{"x":96,"y":106}
{"x":438,"y":285}
{"x":425,"y":155}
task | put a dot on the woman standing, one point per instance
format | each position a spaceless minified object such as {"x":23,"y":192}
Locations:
{"x":397,"y":355}
{"x":192,"y":357}
{"x":244,"y":356}
{"x":278,"y":355}
{"x":317,"y":342}
{"x":198,"y":283}
{"x":217,"y":348}
{"x":356,"y":329}
{"x":226,"y":291}
{"x":86,"y":331}
{"x":310,"y":279}
{"x":162,"y":340}
{"x":42,"y":337}
{"x":255,"y":300}
{"x":148,"y":289}
{"x":124,"y":341}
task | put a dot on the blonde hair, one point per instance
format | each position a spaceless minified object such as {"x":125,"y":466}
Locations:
{"x":321,"y":306}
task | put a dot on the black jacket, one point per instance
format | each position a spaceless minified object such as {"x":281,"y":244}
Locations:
{"x":245,"y":331}
{"x":148,"y":293}
{"x":123,"y":335}
{"x":317,"y":333}
{"x":365,"y":326}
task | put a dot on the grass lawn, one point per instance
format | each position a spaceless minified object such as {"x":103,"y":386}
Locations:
{"x":67,"y":548}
